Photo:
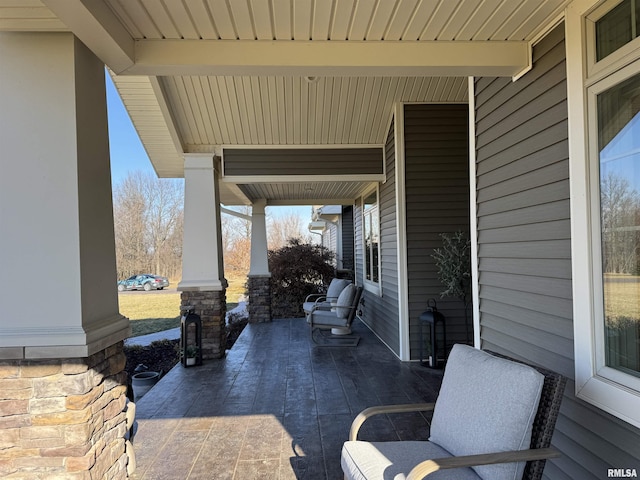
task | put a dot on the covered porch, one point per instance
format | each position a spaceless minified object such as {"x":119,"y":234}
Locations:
{"x":275,"y":407}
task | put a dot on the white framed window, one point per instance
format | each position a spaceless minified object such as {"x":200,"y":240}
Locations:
{"x":371,"y":241}
{"x":605,"y":180}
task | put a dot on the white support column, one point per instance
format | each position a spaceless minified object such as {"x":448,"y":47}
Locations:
{"x":259,"y":263}
{"x":58,"y":295}
{"x":202,"y":266}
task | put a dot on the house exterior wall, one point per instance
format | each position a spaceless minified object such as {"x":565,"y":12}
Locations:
{"x":437,"y":201}
{"x":380,"y":312}
{"x":348,"y":246}
{"x":524,"y":250}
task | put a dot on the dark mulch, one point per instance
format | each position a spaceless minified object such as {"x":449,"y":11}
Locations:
{"x":162,"y":355}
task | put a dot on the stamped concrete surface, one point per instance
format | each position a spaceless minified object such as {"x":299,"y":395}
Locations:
{"x":276,"y":407}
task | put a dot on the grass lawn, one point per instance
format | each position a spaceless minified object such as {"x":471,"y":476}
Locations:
{"x":152,"y":312}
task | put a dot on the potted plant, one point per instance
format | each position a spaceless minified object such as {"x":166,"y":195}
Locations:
{"x":453,"y":260}
{"x":192,"y":353}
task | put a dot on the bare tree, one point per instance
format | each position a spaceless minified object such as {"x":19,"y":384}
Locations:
{"x":148,"y":225}
{"x":282,"y":229}
{"x":620,"y":208}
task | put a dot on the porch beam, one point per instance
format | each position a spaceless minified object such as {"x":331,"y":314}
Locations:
{"x":329,"y":58}
{"x":93,"y":22}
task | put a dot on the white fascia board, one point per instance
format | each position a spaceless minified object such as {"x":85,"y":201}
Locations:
{"x":322,"y":58}
{"x":93,"y":22}
{"x":163,"y":104}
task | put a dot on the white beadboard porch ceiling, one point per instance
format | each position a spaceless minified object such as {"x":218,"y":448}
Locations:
{"x":196,"y":75}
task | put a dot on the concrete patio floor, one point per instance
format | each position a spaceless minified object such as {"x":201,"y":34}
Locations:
{"x":276,"y":407}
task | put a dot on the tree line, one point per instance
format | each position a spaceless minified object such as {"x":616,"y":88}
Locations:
{"x":148,"y":226}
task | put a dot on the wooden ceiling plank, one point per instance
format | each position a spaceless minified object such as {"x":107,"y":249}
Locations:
{"x":221,"y":114}
{"x":303,"y":102}
{"x":257,"y":108}
{"x":545,"y":13}
{"x":221,"y":85}
{"x":199,"y":109}
{"x":302,"y":19}
{"x":439,"y":20}
{"x":458,"y":21}
{"x":311,"y":113}
{"x":182,"y":20}
{"x":282,"y":19}
{"x":201,"y":17}
{"x":335,"y":109}
{"x":245,"y":108}
{"x":234,"y":101}
{"x":518,"y":17}
{"x":242,"y":20}
{"x":221,"y":18}
{"x":400,"y":20}
{"x":282,"y":122}
{"x":264,"y":100}
{"x":214,"y":128}
{"x":178,"y":109}
{"x":262,"y":19}
{"x":289,"y":109}
{"x":362,"y":16}
{"x":380,"y":20}
{"x":477,"y":19}
{"x":327,"y":113}
{"x":273,"y":109}
{"x":321,"y":23}
{"x":341,"y":20}
{"x":161,"y":19}
{"x":420,"y":19}
{"x":185,"y":91}
{"x":501,"y":13}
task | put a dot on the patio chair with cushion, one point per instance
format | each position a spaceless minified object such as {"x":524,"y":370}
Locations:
{"x":493,"y":420}
{"x":336,"y":317}
{"x":336,"y":286}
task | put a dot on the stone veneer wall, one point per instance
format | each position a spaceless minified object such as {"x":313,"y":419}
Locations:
{"x":212,"y":308}
{"x":259,"y":298}
{"x":63,"y":418}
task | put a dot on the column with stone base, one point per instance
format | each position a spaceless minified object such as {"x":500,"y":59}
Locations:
{"x":259,"y":281}
{"x":62,"y":380}
{"x":203,"y":285}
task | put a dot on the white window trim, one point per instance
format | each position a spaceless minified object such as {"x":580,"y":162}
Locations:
{"x":373,"y":287}
{"x":593,"y":384}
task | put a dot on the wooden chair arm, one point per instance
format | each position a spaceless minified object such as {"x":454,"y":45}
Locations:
{"x":383,"y":409}
{"x":429,"y":466}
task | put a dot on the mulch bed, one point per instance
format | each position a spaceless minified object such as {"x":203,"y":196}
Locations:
{"x":163,"y":355}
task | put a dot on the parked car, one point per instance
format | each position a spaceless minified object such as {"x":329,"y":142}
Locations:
{"x":145,"y":281}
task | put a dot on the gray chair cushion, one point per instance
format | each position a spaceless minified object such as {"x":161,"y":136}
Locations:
{"x":324,"y":317}
{"x":486,"y":404}
{"x":345,"y":300}
{"x":336,"y":286}
{"x":394,"y":461}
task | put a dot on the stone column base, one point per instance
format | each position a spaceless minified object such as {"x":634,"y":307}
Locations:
{"x":212,"y":308}
{"x":259,"y":298}
{"x":64,"y":418}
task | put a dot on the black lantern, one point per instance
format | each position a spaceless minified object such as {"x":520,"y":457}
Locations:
{"x":432,"y":317}
{"x":190,"y":337}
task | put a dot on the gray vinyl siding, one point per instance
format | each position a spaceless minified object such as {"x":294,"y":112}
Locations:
{"x":380,"y":313}
{"x":524,"y":249}
{"x":347,"y":238}
{"x":437,"y":201}
{"x":303,"y":161}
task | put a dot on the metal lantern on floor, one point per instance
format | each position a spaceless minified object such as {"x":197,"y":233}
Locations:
{"x":190,"y":337}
